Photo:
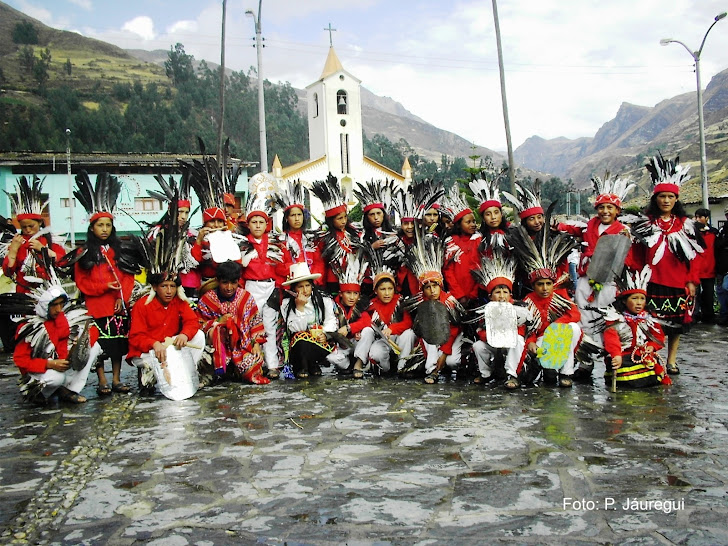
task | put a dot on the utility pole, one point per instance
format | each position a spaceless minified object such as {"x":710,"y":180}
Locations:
{"x":222,"y":91}
{"x":511,"y":162}
{"x":261,"y":95}
{"x":72,"y":231}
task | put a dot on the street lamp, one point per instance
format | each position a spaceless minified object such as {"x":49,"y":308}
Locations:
{"x":70,"y":188}
{"x":701,"y":124}
{"x":261,"y":96}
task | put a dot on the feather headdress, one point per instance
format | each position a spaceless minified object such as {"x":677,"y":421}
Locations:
{"x":376,"y":195}
{"x":379,"y":268}
{"x":329,"y":193}
{"x":99,"y":201}
{"x":353,"y":273}
{"x":526,"y":202}
{"x":495,"y":271}
{"x":542,"y":256}
{"x":27,"y":200}
{"x":419,"y":198}
{"x":212,"y":182}
{"x":611,"y":189}
{"x":259,"y":205}
{"x":485,"y":188}
{"x":633,"y":282}
{"x":667,"y":174}
{"x":293,"y":194}
{"x":171,"y":190}
{"x":455,"y":205}
{"x":426,"y":257}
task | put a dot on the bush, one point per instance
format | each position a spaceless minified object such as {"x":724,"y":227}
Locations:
{"x":25,"y":33}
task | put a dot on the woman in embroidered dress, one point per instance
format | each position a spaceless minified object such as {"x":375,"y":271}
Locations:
{"x":671,"y":243}
{"x":308,"y":316}
{"x":105,"y":287}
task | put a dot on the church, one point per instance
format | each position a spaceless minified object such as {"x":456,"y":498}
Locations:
{"x":335,"y":138}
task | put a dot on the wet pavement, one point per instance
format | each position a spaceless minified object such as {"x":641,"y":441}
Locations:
{"x":376,"y":461}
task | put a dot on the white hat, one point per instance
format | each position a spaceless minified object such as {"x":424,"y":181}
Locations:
{"x":300,"y":272}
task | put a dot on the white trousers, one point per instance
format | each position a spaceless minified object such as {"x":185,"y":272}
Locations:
{"x":261,"y":291}
{"x":603,"y":298}
{"x":484,"y":353}
{"x":73,"y":380}
{"x":377,"y":350}
{"x":339,"y":357}
{"x":433,"y":353}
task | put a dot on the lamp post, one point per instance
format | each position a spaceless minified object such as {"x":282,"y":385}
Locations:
{"x":70,"y":188}
{"x":701,"y":124}
{"x":261,"y":95}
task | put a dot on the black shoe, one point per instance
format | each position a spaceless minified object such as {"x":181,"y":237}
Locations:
{"x":550,"y":377}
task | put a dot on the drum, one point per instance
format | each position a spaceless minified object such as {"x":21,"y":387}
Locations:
{"x":177,"y":378}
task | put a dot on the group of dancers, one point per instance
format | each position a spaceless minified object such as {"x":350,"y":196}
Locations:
{"x":432,"y":295}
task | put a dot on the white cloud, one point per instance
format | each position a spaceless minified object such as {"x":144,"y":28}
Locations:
{"x":142,"y":26}
{"x":83,"y":4}
{"x":42,"y":14}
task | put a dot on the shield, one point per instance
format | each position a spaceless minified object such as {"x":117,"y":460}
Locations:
{"x":222,"y":246}
{"x":608,"y":258}
{"x":81,"y":350}
{"x":555,"y":347}
{"x":432,"y":322}
{"x":501,"y":325}
{"x":177,"y":378}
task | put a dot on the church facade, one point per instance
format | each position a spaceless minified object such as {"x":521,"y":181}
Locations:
{"x":335,"y":135}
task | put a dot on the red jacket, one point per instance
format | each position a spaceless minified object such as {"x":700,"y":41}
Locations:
{"x":613,"y":345}
{"x":153,"y":322}
{"x":261,"y":267}
{"x":15,"y":272}
{"x":542,"y":306}
{"x":387,"y":314}
{"x":94,"y":285}
{"x":460,"y":281}
{"x":58,"y":332}
{"x":705,"y":262}
{"x":359,"y":322}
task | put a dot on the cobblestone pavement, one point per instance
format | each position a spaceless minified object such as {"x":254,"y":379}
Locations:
{"x":334,"y":461}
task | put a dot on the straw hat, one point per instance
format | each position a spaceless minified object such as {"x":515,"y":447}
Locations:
{"x":300,"y":272}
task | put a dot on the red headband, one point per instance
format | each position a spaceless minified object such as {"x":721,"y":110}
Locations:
{"x":349,"y":287}
{"x":294,"y":205}
{"x":29,"y":216}
{"x":335,"y":211}
{"x":497,"y":282}
{"x":488,"y":204}
{"x":632,"y":291}
{"x":533,"y":211}
{"x":184,"y":203}
{"x":460,"y":215}
{"x":228,"y":199}
{"x":666,"y":186}
{"x":98,"y":215}
{"x":608,"y":198}
{"x":430,"y":276}
{"x":213,"y":213}
{"x":373,"y":206}
{"x":542,"y":273}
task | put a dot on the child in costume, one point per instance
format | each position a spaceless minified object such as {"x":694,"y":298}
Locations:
{"x":233,"y":326}
{"x":549,"y":304}
{"x":20,"y":260}
{"x":350,"y":309}
{"x":671,"y":242}
{"x":632,"y":337}
{"x":336,"y":242}
{"x":506,"y":321}
{"x":299,"y":244}
{"x":55,"y":347}
{"x":392,"y":321}
{"x":494,"y":223}
{"x":310,"y":319}
{"x":102,"y":275}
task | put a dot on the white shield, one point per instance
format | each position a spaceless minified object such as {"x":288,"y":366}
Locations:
{"x":177,"y":378}
{"x":501,"y":324}
{"x":222,"y":246}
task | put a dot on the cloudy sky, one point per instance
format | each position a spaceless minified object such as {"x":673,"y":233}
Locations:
{"x":569,"y":63}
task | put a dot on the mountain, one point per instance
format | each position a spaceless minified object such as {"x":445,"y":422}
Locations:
{"x":380,"y":115}
{"x":636,"y":132}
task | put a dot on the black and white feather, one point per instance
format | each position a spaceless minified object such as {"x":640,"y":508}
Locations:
{"x":621,"y":187}
{"x":525,"y":198}
{"x":291,"y":193}
{"x":329,"y":192}
{"x":28,"y":196}
{"x":667,"y":171}
{"x":99,"y":197}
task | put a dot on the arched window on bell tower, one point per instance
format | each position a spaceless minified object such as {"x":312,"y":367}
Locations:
{"x":342,"y":105}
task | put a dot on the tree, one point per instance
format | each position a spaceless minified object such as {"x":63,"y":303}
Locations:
{"x":178,"y":65}
{"x":68,"y":66}
{"x":41,"y":68}
{"x":25,"y":33}
{"x":27,"y":58}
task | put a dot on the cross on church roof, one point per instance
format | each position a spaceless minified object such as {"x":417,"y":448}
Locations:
{"x":331,"y":41}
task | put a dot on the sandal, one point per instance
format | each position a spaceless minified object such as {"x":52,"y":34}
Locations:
{"x":672,"y":369}
{"x":273,"y":374}
{"x":302,"y":375}
{"x":512,"y":383}
{"x":357,"y":373}
{"x":120,"y":387}
{"x":103,"y":390}
{"x":431,"y":378}
{"x":72,"y":397}
{"x":565,"y":381}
